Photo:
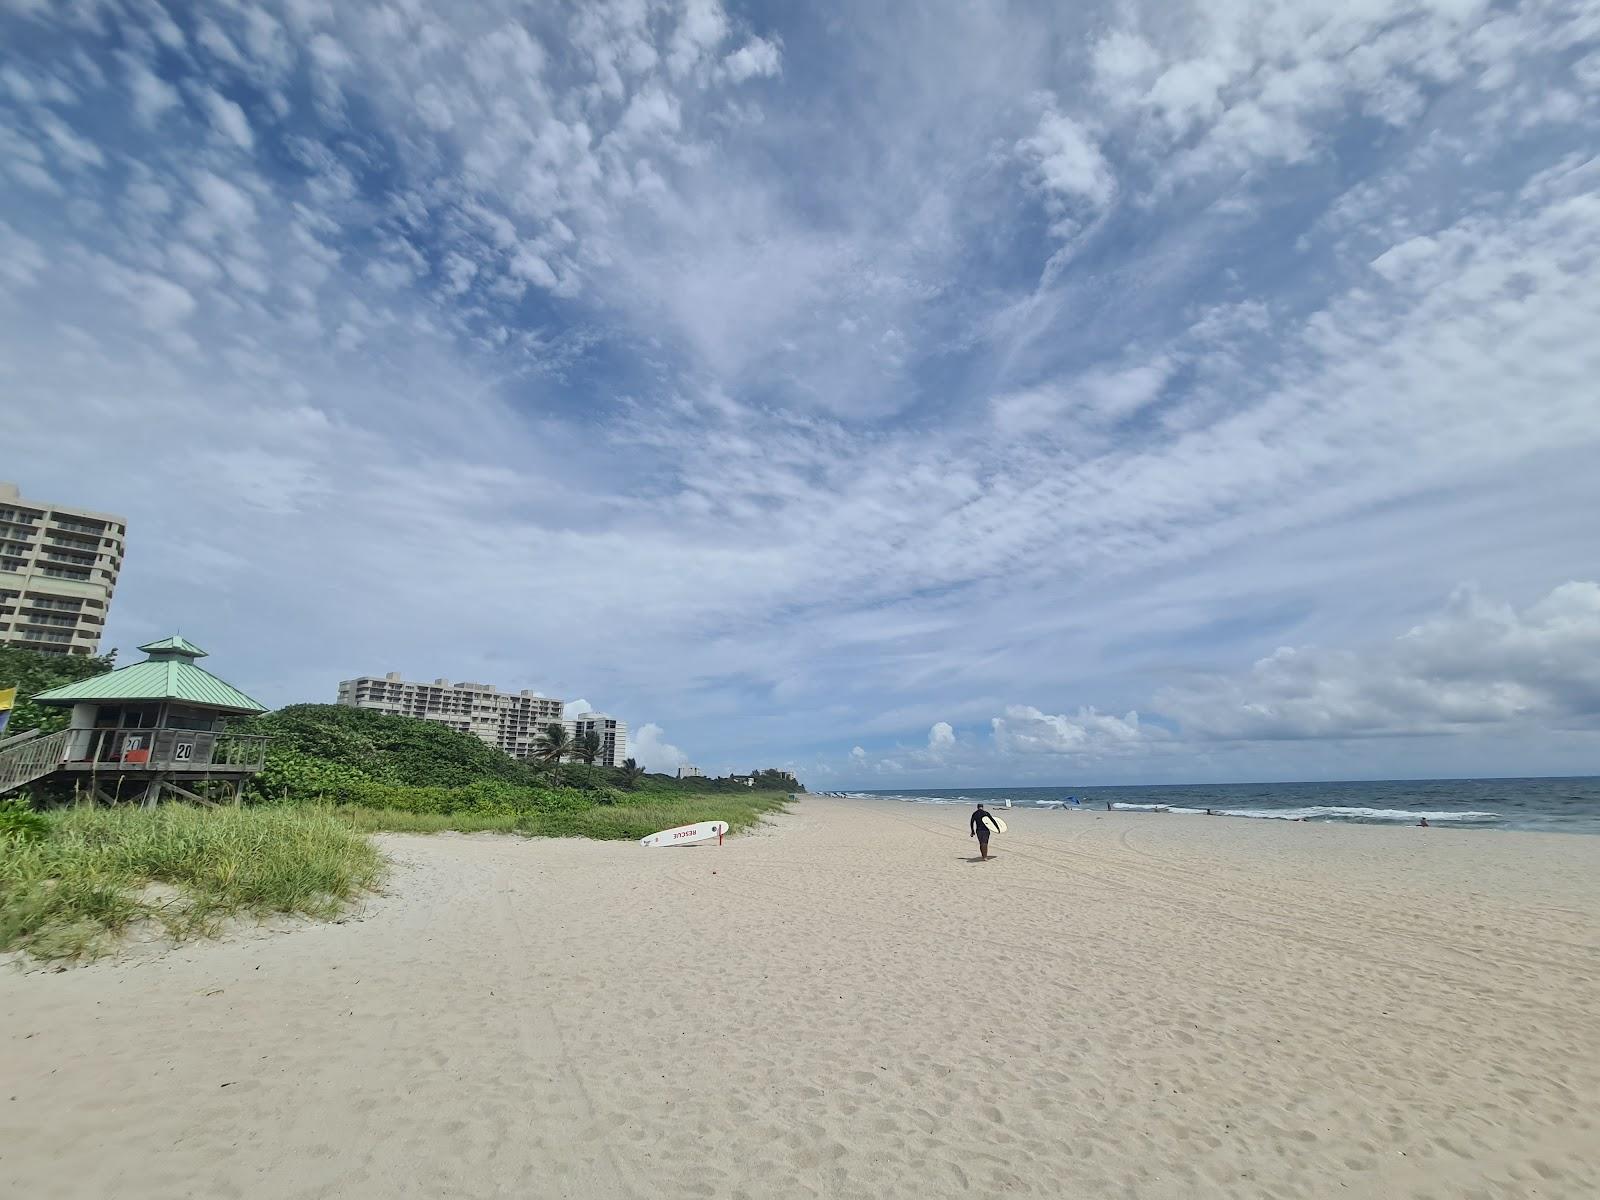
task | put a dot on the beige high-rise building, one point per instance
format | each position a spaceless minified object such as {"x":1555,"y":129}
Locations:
{"x":509,"y":721}
{"x":58,"y":568}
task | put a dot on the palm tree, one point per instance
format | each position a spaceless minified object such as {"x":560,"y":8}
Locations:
{"x":555,"y":744}
{"x":587,"y":747}
{"x":632,"y":772}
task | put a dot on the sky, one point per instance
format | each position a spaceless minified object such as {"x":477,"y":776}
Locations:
{"x":909,"y":394}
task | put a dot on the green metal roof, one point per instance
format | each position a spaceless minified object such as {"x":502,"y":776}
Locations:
{"x":169,"y":674}
{"x":176,"y":644}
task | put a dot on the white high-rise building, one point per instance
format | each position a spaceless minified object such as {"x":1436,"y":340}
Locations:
{"x":613,"y":736}
{"x":509,"y":721}
{"x":58,"y":568}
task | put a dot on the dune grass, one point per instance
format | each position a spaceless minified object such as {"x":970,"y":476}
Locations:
{"x":605,"y":822}
{"x":73,"y":881}
{"x":96,"y":872}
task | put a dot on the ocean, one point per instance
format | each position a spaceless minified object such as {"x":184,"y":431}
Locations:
{"x":1546,"y":805}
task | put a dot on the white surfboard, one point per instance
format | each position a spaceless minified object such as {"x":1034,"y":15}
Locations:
{"x":687,"y":835}
{"x":999,"y":823}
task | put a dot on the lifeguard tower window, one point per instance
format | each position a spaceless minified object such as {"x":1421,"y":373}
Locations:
{"x":178,"y":718}
{"x":126,"y":718}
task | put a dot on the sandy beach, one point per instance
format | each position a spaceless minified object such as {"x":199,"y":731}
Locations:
{"x":845,"y":1004}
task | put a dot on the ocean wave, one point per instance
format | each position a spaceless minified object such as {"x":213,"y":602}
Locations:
{"x":1331,"y":812}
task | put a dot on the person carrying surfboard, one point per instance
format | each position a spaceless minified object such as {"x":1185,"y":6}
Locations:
{"x":980,"y":823}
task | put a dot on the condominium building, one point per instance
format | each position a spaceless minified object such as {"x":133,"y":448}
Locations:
{"x":613,"y":736}
{"x":505,"y":720}
{"x":688,"y":772}
{"x":58,"y":568}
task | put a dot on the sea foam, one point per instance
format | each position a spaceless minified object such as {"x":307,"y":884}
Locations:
{"x":1331,"y":812}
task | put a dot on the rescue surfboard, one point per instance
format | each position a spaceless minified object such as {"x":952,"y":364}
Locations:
{"x":687,"y":835}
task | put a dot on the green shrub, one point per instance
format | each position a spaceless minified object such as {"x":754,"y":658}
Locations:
{"x":20,"y":823}
{"x":35,"y":671}
{"x":428,"y":776}
{"x":403,"y":750}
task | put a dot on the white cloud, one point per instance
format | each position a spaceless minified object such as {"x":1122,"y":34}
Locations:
{"x":21,"y":261}
{"x":1480,"y":663}
{"x":152,"y":96}
{"x":857,"y":753}
{"x":1069,"y":162}
{"x":756,"y":57}
{"x":941,"y":737}
{"x":1097,"y":398}
{"x":650,"y":747}
{"x":576,"y":708}
{"x":651,"y":111}
{"x":72,"y":150}
{"x":158,"y":302}
{"x":229,"y":119}
{"x":802,"y":361}
{"x":702,"y":25}
{"x":1087,"y":734}
{"x":209,"y":35}
{"x":224,"y":203}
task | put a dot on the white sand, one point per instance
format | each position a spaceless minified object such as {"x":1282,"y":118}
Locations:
{"x":1119,"y":1006}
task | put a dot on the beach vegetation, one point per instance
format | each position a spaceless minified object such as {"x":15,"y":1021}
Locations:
{"x":35,"y":671}
{"x":20,"y":822}
{"x":555,"y":746}
{"x":627,"y":820}
{"x":632,"y":772}
{"x":84,"y":876}
{"x":408,"y":774}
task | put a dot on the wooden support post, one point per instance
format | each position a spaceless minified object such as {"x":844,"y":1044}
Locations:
{"x":190,"y":795}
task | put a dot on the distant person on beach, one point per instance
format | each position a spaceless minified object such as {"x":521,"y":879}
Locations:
{"x":980,"y":823}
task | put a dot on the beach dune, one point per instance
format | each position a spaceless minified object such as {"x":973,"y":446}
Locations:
{"x":846,"y":1004}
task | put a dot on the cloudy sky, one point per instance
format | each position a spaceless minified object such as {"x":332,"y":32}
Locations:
{"x":920,"y":394}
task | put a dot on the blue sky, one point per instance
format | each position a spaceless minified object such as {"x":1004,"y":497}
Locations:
{"x":911,"y":394}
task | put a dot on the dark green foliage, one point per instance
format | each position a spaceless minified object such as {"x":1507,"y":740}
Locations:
{"x":33,"y":671}
{"x":555,"y":742}
{"x":775,"y":780}
{"x":20,"y":823}
{"x":428,"y":776}
{"x":329,"y":753}
{"x":381,"y":747}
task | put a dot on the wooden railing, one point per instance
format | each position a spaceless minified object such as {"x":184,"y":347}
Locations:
{"x":125,"y":750}
{"x":33,"y":759}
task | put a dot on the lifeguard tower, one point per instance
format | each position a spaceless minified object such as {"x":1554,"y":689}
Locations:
{"x":141,"y":731}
